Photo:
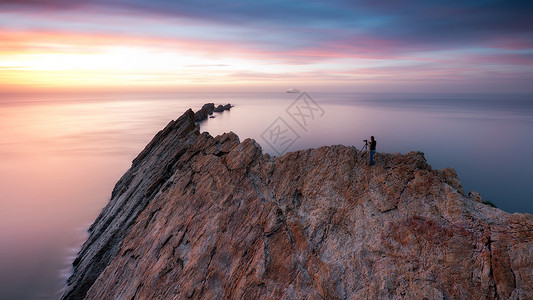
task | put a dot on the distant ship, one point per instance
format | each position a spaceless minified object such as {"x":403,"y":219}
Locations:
{"x":291,"y":90}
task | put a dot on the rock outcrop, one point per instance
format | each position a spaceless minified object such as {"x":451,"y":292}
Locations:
{"x":208,"y":217}
{"x":208,"y":109}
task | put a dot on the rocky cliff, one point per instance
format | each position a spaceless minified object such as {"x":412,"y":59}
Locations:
{"x":208,"y":217}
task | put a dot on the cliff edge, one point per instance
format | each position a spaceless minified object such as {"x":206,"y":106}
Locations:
{"x":208,"y":217}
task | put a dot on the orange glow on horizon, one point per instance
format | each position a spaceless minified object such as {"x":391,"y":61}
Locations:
{"x":44,"y":60}
{"x":58,"y":59}
{"x":65,"y":60}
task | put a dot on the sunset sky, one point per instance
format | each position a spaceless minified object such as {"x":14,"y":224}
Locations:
{"x":408,"y":46}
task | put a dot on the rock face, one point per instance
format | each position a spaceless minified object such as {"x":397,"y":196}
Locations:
{"x":214,"y":218}
{"x":208,"y":109}
{"x":222,"y":108}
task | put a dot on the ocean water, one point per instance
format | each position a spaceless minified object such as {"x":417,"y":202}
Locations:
{"x":60,"y":155}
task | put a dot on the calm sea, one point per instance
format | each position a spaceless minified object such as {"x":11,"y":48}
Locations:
{"x":60,"y":155}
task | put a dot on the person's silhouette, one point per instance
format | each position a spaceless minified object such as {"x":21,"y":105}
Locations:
{"x":372,"y":150}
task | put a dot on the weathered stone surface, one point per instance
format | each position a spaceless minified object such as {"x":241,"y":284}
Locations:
{"x":475,"y":196}
{"x":212,"y":218}
{"x":206,"y":110}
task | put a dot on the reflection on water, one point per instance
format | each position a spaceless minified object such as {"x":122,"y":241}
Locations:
{"x":60,"y":157}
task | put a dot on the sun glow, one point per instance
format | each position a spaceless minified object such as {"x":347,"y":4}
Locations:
{"x":108,"y":66}
{"x":47,"y":60}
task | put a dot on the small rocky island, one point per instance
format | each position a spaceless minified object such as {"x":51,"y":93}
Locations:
{"x":205,"y":217}
{"x":208,"y":109}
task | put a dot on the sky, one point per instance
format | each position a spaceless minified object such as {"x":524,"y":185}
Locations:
{"x":361,"y":45}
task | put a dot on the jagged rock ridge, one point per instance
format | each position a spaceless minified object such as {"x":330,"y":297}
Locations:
{"x":203,"y":217}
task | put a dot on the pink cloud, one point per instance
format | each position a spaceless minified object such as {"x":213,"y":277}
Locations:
{"x":511,"y":43}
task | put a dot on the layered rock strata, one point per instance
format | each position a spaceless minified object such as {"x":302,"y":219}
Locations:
{"x":205,"y":217}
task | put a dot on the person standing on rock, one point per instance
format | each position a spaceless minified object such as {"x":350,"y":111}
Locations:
{"x":372,"y":150}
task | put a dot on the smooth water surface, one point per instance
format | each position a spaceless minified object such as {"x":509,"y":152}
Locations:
{"x":60,"y":156}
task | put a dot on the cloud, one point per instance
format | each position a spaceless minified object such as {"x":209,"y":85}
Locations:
{"x":206,"y":65}
{"x":381,"y":39}
{"x":303,"y":24}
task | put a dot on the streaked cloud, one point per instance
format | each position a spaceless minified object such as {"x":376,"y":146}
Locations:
{"x":127,"y":42}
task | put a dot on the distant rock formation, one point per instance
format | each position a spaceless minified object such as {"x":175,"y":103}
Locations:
{"x":205,"y":217}
{"x":222,"y":108}
{"x":208,"y":109}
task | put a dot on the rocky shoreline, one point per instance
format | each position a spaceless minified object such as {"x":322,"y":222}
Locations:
{"x":198,"y":216}
{"x":208,"y":109}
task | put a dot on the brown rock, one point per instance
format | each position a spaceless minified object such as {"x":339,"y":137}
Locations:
{"x":206,"y":110}
{"x":475,"y":196}
{"x":210,"y":218}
